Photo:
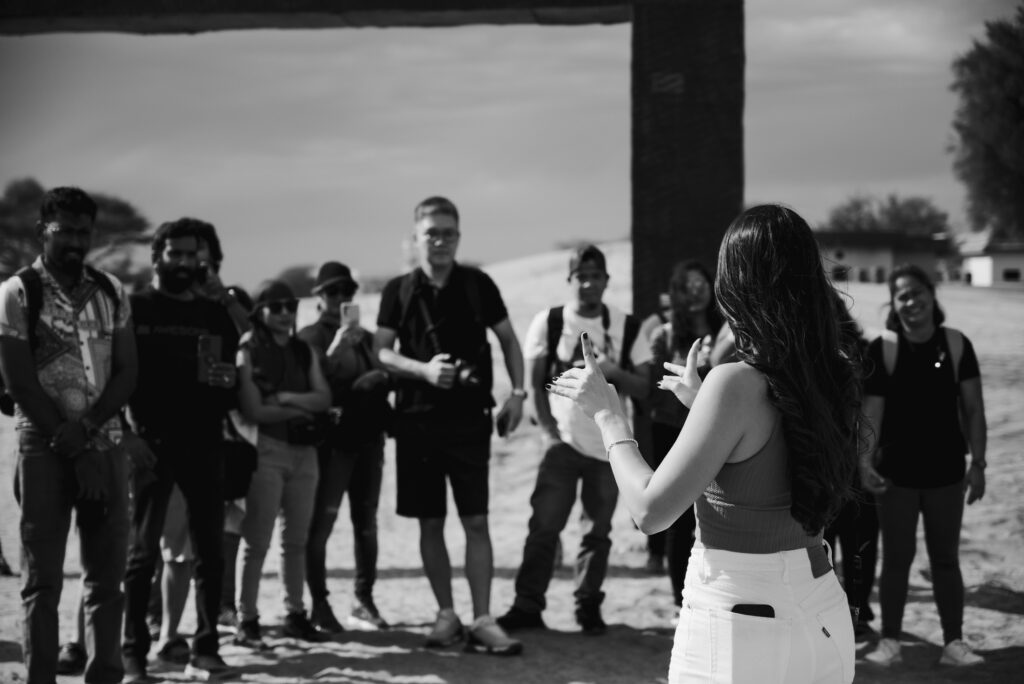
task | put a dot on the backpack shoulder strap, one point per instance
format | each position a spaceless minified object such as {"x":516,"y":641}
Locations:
{"x":630,"y":333}
{"x":406,"y":288}
{"x":955,"y":342}
{"x":106,"y":284}
{"x":555,"y":322}
{"x":33,"y":284}
{"x":890,"y":348}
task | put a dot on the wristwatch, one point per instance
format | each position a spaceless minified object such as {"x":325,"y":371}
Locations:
{"x":519,"y":392}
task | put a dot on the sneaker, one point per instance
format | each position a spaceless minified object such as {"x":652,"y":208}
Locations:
{"x":174,"y":652}
{"x":486,"y":636}
{"x":447,"y":630}
{"x":655,"y":564}
{"x":323,"y":618}
{"x":228,"y":617}
{"x":71,"y":659}
{"x":248,"y":635}
{"x":886,"y":654}
{"x":298,"y":626}
{"x":517,"y":618}
{"x":206,"y":667}
{"x":957,"y":653}
{"x":589,"y":618}
{"x":366,"y":616}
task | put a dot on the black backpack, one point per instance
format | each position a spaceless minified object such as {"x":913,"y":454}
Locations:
{"x":33,"y":283}
{"x":556,"y":321}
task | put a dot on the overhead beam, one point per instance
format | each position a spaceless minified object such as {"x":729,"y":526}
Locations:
{"x":23,"y":17}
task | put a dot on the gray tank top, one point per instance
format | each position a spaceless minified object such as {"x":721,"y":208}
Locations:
{"x":745,"y":508}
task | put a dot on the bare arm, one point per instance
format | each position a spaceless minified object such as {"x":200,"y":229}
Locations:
{"x":439,"y":371}
{"x":977,"y":435}
{"x":541,"y":404}
{"x":22,"y":380}
{"x":252,"y":405}
{"x":635,"y":383}
{"x":318,"y":398}
{"x":870,"y":428}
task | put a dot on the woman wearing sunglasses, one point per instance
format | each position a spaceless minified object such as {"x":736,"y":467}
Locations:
{"x":281,"y":389}
{"x":766,"y":455}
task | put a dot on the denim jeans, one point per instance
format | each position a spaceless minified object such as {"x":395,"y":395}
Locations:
{"x":553,"y":497}
{"x":357,"y":470}
{"x":196,"y":470}
{"x":46,"y":490}
{"x":284,"y":482}
{"x":809,"y":639}
{"x":943,"y":511}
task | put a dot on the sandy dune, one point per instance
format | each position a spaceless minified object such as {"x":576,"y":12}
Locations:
{"x":638,"y":606}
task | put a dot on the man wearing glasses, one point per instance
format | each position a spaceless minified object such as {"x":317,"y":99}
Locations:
{"x":186,"y":386}
{"x":439,"y":315}
{"x":68,"y":357}
{"x":352,"y":458}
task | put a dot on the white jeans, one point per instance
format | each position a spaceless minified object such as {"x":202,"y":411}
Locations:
{"x":810,"y":639}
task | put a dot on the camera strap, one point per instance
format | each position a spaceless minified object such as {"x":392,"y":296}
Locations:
{"x":431,"y":330}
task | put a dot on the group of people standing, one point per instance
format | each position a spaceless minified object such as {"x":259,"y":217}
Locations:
{"x":758,"y":393}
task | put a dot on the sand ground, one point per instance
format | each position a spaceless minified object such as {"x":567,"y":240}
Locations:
{"x":638,"y":607}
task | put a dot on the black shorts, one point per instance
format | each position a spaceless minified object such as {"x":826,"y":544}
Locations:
{"x":430,"y":451}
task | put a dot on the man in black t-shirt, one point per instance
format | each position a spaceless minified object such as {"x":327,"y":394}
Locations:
{"x":439,"y":315}
{"x":185,"y":388}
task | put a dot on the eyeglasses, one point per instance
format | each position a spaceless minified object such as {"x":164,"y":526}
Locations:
{"x":436,"y":235}
{"x":56,"y":228}
{"x":281,"y":305}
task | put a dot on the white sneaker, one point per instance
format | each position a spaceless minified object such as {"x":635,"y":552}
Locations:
{"x":486,"y":636}
{"x":447,"y":630}
{"x":957,"y":652}
{"x":886,"y":654}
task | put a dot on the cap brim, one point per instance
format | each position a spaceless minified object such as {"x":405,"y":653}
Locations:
{"x":334,"y":281}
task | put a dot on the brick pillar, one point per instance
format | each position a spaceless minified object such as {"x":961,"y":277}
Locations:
{"x":687,"y":94}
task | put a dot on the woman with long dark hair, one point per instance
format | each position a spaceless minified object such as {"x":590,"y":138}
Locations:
{"x":767,"y":455}
{"x":281,"y":388}
{"x":693,"y":315}
{"x":924,"y":403}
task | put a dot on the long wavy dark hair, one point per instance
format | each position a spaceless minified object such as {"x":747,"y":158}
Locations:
{"x":682,"y":332}
{"x":784,"y":314}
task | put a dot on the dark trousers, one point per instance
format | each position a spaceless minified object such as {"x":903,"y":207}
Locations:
{"x":357,"y":470}
{"x":856,"y":528}
{"x":561,"y":469}
{"x":942,"y":509}
{"x":199,"y":474}
{"x":46,"y":490}
{"x":676,"y":542}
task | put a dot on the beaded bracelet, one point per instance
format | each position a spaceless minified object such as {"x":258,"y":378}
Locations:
{"x":608,"y":449}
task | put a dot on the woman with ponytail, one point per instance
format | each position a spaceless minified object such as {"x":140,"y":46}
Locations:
{"x":766,"y":456}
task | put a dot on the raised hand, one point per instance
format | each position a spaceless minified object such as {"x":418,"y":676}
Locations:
{"x":684,"y":381}
{"x":587,"y":387}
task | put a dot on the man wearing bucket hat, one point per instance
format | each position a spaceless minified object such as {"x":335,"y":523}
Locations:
{"x":352,"y":458}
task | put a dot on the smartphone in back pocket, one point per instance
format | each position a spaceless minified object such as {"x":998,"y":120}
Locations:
{"x":208,"y":350}
{"x":754,"y":609}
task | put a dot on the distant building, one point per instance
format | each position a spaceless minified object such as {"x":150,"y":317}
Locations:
{"x":988,"y":262}
{"x":869,"y":256}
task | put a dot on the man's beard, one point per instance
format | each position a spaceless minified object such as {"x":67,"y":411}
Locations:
{"x":175,"y":279}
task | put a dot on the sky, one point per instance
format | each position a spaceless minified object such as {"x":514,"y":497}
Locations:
{"x":305,"y":146}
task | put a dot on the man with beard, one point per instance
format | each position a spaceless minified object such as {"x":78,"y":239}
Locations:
{"x":184,"y":392}
{"x":68,"y":357}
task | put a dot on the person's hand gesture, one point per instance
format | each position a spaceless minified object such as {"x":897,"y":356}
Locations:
{"x":974,"y":484}
{"x":684,"y":381}
{"x":440,"y":371}
{"x":872,"y":480}
{"x":587,"y":387}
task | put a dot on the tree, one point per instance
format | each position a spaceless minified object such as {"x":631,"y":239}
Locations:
{"x":989,"y":127}
{"x":894,"y":214}
{"x":117,"y":221}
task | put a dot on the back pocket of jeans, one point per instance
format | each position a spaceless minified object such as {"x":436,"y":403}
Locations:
{"x":745,"y":648}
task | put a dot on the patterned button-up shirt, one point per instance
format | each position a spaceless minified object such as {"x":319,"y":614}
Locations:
{"x":74,"y":339}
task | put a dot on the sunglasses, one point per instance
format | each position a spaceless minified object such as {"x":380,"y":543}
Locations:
{"x":281,"y":305}
{"x":338,"y":290}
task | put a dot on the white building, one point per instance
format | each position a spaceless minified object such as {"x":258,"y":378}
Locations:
{"x":988,"y":262}
{"x":870,"y":256}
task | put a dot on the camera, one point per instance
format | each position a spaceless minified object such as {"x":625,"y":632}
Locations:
{"x":467,"y":374}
